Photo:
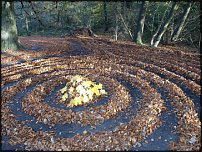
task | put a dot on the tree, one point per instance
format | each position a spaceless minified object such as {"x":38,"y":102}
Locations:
{"x":9,"y":33}
{"x":105,"y":15}
{"x":27,"y":25}
{"x":179,"y":28}
{"x":122,"y":16}
{"x":35,"y":12}
{"x":161,"y":21}
{"x":165,"y":24}
{"x":116,"y":24}
{"x":126,"y":27}
{"x":140,"y":24}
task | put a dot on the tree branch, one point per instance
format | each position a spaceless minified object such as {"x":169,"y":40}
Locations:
{"x":23,"y":8}
{"x":36,"y":14}
{"x":128,"y":30}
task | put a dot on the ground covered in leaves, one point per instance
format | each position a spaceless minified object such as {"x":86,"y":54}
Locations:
{"x":152,"y":102}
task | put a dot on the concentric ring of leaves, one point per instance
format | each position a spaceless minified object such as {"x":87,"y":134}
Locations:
{"x":163,"y":67}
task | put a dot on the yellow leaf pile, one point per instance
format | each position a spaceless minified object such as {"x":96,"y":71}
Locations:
{"x":80,"y":90}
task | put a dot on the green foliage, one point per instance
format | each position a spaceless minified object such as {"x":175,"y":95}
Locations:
{"x":63,"y":17}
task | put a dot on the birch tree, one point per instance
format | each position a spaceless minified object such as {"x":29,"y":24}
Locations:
{"x":165,"y":24}
{"x":179,"y":28}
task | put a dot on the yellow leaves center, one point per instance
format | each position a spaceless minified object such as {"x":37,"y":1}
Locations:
{"x":80,"y":91}
{"x":64,"y":89}
{"x":64,"y":97}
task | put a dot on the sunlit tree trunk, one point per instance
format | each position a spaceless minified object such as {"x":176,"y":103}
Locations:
{"x":165,"y":24}
{"x":179,"y":28}
{"x":155,"y":34}
{"x":9,"y":34}
{"x":116,"y":23}
{"x":126,"y":27}
{"x":27,"y":25}
{"x":140,"y":24}
{"x":116,"y":27}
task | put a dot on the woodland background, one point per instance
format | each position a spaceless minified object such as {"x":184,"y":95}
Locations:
{"x":118,"y":20}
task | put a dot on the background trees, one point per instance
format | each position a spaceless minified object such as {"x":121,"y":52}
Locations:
{"x":165,"y":24}
{"x":182,"y":20}
{"x":145,"y":22}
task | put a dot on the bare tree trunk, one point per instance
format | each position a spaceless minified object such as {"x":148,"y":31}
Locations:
{"x":106,"y":16}
{"x":116,"y":28}
{"x":58,"y":17}
{"x":171,"y":29}
{"x":58,"y":12}
{"x":126,"y":27}
{"x":164,"y":26}
{"x":140,"y":24}
{"x":37,"y":15}
{"x":116,"y":24}
{"x":199,"y":43}
{"x":9,"y":33}
{"x":26,"y":19}
{"x":27,"y":25}
{"x":154,"y":36}
{"x":166,"y":38}
{"x":179,"y":28}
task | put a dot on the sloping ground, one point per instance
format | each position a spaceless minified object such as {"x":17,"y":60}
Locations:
{"x":153,"y":100}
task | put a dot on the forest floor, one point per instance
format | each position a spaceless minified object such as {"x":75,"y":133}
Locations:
{"x":153,"y":100}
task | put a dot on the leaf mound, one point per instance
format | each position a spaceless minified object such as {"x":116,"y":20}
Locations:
{"x":81,"y":90}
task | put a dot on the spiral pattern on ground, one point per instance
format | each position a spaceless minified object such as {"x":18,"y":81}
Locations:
{"x":142,"y":84}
